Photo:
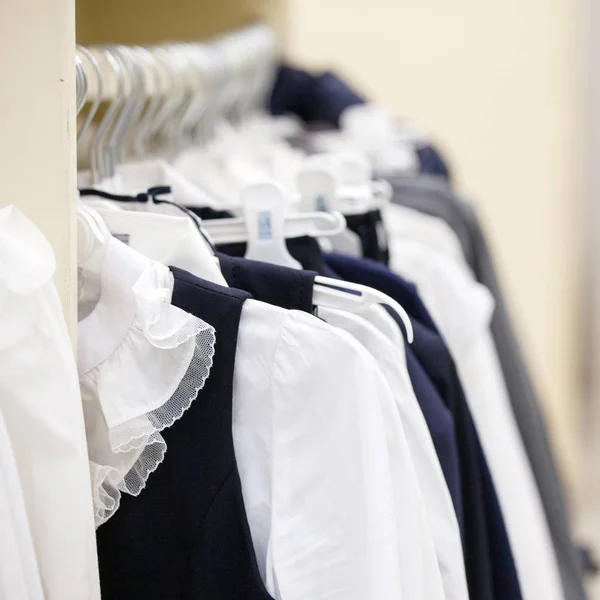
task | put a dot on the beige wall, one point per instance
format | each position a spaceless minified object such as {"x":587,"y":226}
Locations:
{"x":496,"y":84}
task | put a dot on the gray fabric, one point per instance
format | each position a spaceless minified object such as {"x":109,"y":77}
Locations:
{"x":433,"y":196}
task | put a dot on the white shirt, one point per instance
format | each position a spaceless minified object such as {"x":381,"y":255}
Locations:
{"x":310,"y":442}
{"x":404,"y":223}
{"x":141,"y":363}
{"x":462,"y":309}
{"x":19,"y":572}
{"x":441,"y":530}
{"x":41,"y":406}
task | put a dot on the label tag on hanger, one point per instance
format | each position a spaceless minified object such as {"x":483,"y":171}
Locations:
{"x":265,"y":230}
{"x":264,"y":206}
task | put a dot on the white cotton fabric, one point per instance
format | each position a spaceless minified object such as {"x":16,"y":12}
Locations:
{"x":19,"y":572}
{"x":404,"y":223}
{"x":41,"y":407}
{"x":142,"y":361}
{"x":440,"y":529}
{"x":462,"y":309}
{"x":313,"y":458}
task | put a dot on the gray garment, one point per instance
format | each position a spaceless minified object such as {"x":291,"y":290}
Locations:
{"x":433,"y":196}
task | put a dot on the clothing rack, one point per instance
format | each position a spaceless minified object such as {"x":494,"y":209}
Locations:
{"x":39,"y":166}
{"x":189,"y":84}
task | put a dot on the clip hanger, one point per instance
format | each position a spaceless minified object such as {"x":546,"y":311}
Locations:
{"x":313,"y":224}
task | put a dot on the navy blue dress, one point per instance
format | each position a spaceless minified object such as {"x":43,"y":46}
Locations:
{"x":186,"y":536}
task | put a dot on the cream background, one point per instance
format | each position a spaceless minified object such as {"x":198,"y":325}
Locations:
{"x":497,"y":84}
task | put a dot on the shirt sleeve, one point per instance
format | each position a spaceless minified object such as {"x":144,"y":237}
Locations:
{"x":320,"y":504}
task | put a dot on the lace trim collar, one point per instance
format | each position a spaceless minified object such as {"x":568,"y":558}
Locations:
{"x":142,"y":361}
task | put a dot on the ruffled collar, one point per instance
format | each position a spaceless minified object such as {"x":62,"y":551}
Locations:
{"x":141,"y":362}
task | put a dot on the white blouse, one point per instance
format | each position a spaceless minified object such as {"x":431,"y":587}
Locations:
{"x":41,"y":406}
{"x":19,"y":572}
{"x":462,"y":308}
{"x":421,"y":472}
{"x":141,"y":362}
{"x":311,"y":448}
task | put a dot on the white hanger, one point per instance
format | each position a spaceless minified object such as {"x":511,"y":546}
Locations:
{"x":272,"y":197}
{"x":318,"y":184}
{"x":330,"y":293}
{"x":264,"y":206}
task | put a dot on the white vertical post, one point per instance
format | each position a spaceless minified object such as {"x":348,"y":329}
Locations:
{"x":38,"y":127}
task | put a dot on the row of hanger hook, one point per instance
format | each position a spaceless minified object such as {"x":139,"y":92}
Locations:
{"x":161,"y":99}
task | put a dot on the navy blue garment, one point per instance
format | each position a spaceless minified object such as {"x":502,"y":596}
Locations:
{"x":318,"y":98}
{"x":368,"y":272}
{"x":186,"y":536}
{"x":440,"y":423}
{"x":291,"y":289}
{"x":305,"y":250}
{"x":205,"y":212}
{"x":431,"y":161}
{"x":373,"y":237}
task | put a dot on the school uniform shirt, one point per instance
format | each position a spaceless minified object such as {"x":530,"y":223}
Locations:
{"x":141,"y":363}
{"x":441,"y":523}
{"x":41,"y":408}
{"x":438,"y":418}
{"x":310,"y":440}
{"x":462,"y":309}
{"x":19,"y":572}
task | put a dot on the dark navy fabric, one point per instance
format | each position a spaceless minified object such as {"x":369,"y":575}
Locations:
{"x":186,"y":535}
{"x":205,"y":212}
{"x":305,"y":250}
{"x":440,"y":423}
{"x":318,"y":98}
{"x":291,"y":289}
{"x":491,"y":572}
{"x":378,"y":276}
{"x":431,"y":162}
{"x":373,"y":237}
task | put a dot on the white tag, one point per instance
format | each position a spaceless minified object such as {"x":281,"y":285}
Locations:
{"x":264,"y":206}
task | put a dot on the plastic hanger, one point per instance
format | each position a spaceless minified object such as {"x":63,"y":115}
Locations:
{"x":318,"y":184}
{"x":264,"y":207}
{"x":113,"y":90}
{"x":352,"y":297}
{"x":267,"y":197}
{"x":96,"y":95}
